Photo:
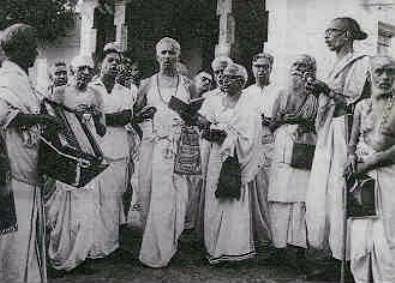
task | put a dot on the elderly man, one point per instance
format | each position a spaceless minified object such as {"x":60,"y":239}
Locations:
{"x":72,"y":212}
{"x":261,"y":96}
{"x":294,"y":113}
{"x":22,"y":245}
{"x":165,"y":192}
{"x":202,"y":82}
{"x":372,"y":153}
{"x":346,"y":84}
{"x":218,"y":66}
{"x":233,"y":133}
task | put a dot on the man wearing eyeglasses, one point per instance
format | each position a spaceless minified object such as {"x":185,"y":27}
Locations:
{"x":261,"y":96}
{"x":345,"y":85}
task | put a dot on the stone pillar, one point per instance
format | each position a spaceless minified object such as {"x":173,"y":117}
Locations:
{"x":88,"y":32}
{"x":119,"y":22}
{"x":39,"y":74}
{"x":226,"y":28}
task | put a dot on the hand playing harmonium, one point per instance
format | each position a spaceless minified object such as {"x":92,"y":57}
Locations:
{"x":71,"y":155}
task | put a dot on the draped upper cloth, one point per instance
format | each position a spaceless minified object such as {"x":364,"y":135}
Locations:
{"x":288,"y":184}
{"x":285,"y":104}
{"x":20,"y":146}
{"x":228,"y":224}
{"x":242,"y":126}
{"x":115,"y":142}
{"x":348,"y":77}
{"x":324,"y":194}
{"x":23,"y":251}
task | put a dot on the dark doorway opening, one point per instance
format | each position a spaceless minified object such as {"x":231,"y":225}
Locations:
{"x":251,"y":20}
{"x":193,"y":23}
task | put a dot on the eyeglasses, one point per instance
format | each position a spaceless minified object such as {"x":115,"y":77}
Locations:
{"x":232,"y":77}
{"x":333,"y":31}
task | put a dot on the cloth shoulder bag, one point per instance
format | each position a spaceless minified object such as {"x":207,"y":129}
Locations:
{"x":303,"y":148}
{"x":187,"y":158}
{"x":229,"y":182}
{"x":361,"y":196}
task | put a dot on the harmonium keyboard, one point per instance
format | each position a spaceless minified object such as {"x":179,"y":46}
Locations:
{"x":71,"y":155}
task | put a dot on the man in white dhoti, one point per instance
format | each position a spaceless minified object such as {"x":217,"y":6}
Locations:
{"x":72,"y":212}
{"x":345,"y":85}
{"x":372,"y":152}
{"x":117,"y":107}
{"x":294,"y":113}
{"x":22,"y":244}
{"x":218,"y":66}
{"x":261,"y":96}
{"x":233,"y":132}
{"x":166,"y":191}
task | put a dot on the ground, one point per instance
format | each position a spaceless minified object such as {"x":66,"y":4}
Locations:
{"x":188,"y":266}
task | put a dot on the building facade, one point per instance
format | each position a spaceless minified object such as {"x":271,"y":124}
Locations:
{"x":206,"y":28}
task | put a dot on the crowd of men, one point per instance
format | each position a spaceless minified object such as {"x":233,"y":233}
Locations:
{"x":266,"y":165}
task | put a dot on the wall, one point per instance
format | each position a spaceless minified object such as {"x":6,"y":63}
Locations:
{"x":65,"y":49}
{"x":297,"y":26}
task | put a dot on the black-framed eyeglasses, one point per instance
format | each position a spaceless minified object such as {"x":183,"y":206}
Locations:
{"x":333,"y":31}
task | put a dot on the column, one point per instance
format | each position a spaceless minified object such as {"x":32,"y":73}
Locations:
{"x":88,"y":32}
{"x":119,"y":22}
{"x":226,"y":28}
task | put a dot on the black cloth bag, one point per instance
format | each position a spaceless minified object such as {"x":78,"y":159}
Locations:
{"x":229,"y":183}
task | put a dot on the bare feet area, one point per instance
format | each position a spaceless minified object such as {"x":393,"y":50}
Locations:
{"x":189,"y":265}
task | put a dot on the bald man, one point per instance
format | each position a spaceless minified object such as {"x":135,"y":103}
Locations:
{"x":22,"y":230}
{"x":371,"y":153}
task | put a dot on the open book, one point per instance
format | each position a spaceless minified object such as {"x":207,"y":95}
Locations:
{"x":182,"y":108}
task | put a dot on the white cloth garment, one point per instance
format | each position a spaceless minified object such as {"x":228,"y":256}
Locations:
{"x":112,"y":183}
{"x":166,"y":193}
{"x":228,"y":233}
{"x":23,"y":253}
{"x":72,"y":213}
{"x":262,"y":100}
{"x":324,"y":212}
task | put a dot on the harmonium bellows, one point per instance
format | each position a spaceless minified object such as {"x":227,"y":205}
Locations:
{"x":71,"y":155}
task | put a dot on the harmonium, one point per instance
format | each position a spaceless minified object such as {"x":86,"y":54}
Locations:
{"x":71,"y":155}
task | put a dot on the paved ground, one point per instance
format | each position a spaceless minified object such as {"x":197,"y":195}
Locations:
{"x":189,"y":265}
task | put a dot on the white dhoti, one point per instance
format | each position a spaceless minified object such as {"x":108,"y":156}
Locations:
{"x":372,"y":240}
{"x":259,"y":194}
{"x":324,"y":198}
{"x":111,"y":185}
{"x":71,"y":214}
{"x":228,"y":234}
{"x":287,"y":192}
{"x":167,"y":208}
{"x":163,"y":194}
{"x":194,"y":192}
{"x":288,"y":224}
{"x":23,"y":252}
{"x":228,"y":231}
